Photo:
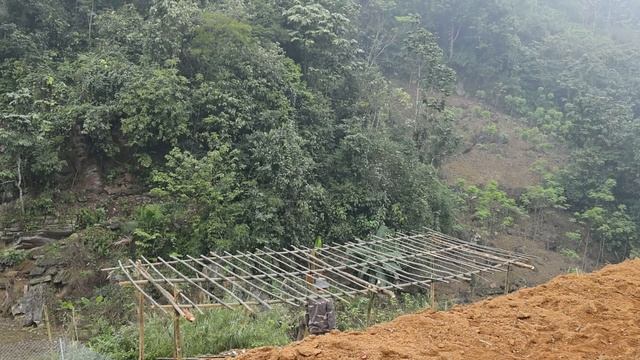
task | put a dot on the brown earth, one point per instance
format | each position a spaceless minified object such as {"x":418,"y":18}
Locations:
{"x":595,"y":316}
{"x":510,"y":164}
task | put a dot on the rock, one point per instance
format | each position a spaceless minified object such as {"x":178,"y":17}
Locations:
{"x":31,"y":242}
{"x":62,"y":277}
{"x":114,"y":225}
{"x":57,"y":233}
{"x":37,"y":271}
{"x":17,"y":309}
{"x":50,"y":261}
{"x":40,"y":280}
{"x":4,"y":283}
{"x":52,"y":271}
{"x":31,"y":305}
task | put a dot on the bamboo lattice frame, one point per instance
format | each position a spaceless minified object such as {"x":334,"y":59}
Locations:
{"x":267,"y":277}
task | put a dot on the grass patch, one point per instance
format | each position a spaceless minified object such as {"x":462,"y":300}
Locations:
{"x":212,"y":333}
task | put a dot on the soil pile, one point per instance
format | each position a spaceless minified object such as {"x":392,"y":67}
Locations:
{"x":595,"y":316}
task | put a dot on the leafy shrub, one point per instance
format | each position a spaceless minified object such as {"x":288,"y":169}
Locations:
{"x":98,"y":240}
{"x":571,"y":254}
{"x":491,"y":206}
{"x":40,"y":206}
{"x":87,"y":217}
{"x":491,"y":135}
{"x":12,"y":257}
{"x":516,"y":105}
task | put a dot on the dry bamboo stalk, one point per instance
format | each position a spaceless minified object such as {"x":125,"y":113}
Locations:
{"x":140,"y":326}
{"x":167,"y":281}
{"x":394,"y":258}
{"x":410,"y":264}
{"x":215,"y":283}
{"x":334,"y":270}
{"x":354,"y":266}
{"x":251,"y":294}
{"x":507,"y":285}
{"x":448,"y":257}
{"x":286,"y":276}
{"x":126,"y":273}
{"x":337,"y":285}
{"x":177,"y":339}
{"x":270,"y":277}
{"x":172,"y":268}
{"x":260,"y":280}
{"x":167,"y":295}
{"x":479,"y":247}
{"x":400,"y":273}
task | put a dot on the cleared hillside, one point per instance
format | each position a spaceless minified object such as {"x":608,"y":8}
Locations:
{"x":594,"y":316}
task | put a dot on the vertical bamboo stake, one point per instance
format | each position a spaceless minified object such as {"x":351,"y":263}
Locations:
{"x":140,"y":326}
{"x":176,"y":329}
{"x":140,"y":315}
{"x":432,"y":297}
{"x":372,"y":298}
{"x":47,"y":323}
{"x":473,"y":286}
{"x":506,"y":280}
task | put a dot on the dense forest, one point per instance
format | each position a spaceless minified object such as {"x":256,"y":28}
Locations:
{"x":244,"y":124}
{"x":279,"y":122}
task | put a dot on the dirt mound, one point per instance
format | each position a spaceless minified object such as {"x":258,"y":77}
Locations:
{"x":595,"y":316}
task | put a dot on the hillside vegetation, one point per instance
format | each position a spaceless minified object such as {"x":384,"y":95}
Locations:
{"x":259,"y":122}
{"x":164,"y":127}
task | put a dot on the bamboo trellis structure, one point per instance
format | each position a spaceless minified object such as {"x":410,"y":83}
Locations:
{"x":267,"y":277}
{"x":178,"y":285}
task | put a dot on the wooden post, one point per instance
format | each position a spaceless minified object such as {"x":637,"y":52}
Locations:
{"x":473,"y":286}
{"x":140,"y":326}
{"x":47,"y":323}
{"x":372,"y":299}
{"x":176,"y":329}
{"x":140,"y":315}
{"x":506,"y":280}
{"x":432,"y":297}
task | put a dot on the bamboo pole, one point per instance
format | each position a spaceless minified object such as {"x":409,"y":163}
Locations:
{"x":507,"y":285}
{"x":432,"y":297}
{"x":372,"y":299}
{"x":177,"y":339}
{"x":285,"y":300}
{"x":214,"y":282}
{"x":126,"y":273}
{"x":340,"y":287}
{"x":166,"y":294}
{"x":234,"y":283}
{"x":47,"y":323}
{"x":270,"y":277}
{"x":190,"y":281}
{"x":140,"y":325}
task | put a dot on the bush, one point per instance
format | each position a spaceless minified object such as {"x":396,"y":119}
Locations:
{"x":12,"y":257}
{"x":98,"y":240}
{"x":88,"y":217}
{"x":213,"y":332}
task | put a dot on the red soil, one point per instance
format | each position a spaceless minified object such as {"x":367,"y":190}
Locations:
{"x":594,"y":316}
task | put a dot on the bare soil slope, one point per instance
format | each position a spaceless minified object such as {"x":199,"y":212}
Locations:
{"x":509,"y":163}
{"x":595,"y":316}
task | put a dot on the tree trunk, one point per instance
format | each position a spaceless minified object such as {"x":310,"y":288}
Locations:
{"x":418,"y":78}
{"x":453,"y":36}
{"x":19,"y":183}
